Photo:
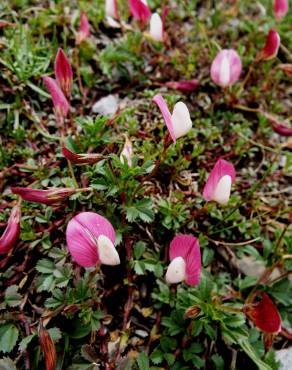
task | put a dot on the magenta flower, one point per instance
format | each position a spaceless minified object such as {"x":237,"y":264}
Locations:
{"x":77,"y":158}
{"x":139,"y":11}
{"x":49,"y":196}
{"x":63,"y":73}
{"x":226,"y":68}
{"x":111,"y":9}
{"x":281,"y":8}
{"x":127,"y":152}
{"x":179,"y":122}
{"x":12,"y":231}
{"x":265,"y":315}
{"x":185,"y":257}
{"x":218,"y":185}
{"x":84,"y":29}
{"x":61,"y":105}
{"x":183,"y":85}
{"x":272,"y":45}
{"x":90,"y":240}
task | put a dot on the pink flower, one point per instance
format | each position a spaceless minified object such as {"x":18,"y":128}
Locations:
{"x":271,"y":48}
{"x":226,"y":68}
{"x":265,"y":315}
{"x":218,"y":185}
{"x":63,"y":73}
{"x":179,"y":122}
{"x":127,"y":152}
{"x":90,"y":239}
{"x":84,"y":29}
{"x":281,"y":8}
{"x":12,"y":231}
{"x":183,"y":85}
{"x":87,"y":158}
{"x":49,"y":196}
{"x":139,"y":11}
{"x":111,"y":9}
{"x":185,"y":257}
{"x":156,"y":27}
{"x":61,"y":105}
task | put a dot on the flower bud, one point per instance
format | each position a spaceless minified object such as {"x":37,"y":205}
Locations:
{"x":183,"y":85}
{"x":48,"y":348}
{"x":271,"y":48}
{"x":127,"y":152}
{"x":12,"y":231}
{"x":140,"y":11}
{"x":84,"y":29}
{"x":81,"y":159}
{"x":179,"y":122}
{"x":281,"y":8}
{"x":185,"y":257}
{"x":90,"y":240}
{"x":48,"y":197}
{"x":63,"y":73}
{"x":218,"y":185}
{"x":61,"y":105}
{"x":226,"y":68}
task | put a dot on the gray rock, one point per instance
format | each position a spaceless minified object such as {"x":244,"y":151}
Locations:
{"x":106,"y":106}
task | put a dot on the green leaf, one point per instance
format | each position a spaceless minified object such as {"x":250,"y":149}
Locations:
{"x":218,"y":362}
{"x":156,"y":357}
{"x":143,"y":361}
{"x":55,"y":334}
{"x":7,"y":364}
{"x":45,"y":266}
{"x":12,"y":298}
{"x":249,"y":350}
{"x":139,"y":249}
{"x":8,"y":337}
{"x":25,"y":342}
{"x":142,"y":209}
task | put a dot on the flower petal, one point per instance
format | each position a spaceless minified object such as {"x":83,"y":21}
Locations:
{"x":156,"y":27}
{"x":107,"y":253}
{"x":63,"y":72}
{"x":281,"y":8}
{"x":266,"y":315}
{"x":181,"y":120}
{"x":222,"y":190}
{"x":272,"y":45}
{"x":176,"y":271}
{"x":158,"y":99}
{"x":220,"y":169}
{"x":81,"y":244}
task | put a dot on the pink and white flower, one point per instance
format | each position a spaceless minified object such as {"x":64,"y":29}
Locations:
{"x":63,"y":72}
{"x":218,"y":185}
{"x":226,"y":68}
{"x":272,"y":45}
{"x":12,"y":231}
{"x":90,"y":240}
{"x":179,"y":122}
{"x":185,"y":257}
{"x":61,"y":105}
{"x":281,"y":8}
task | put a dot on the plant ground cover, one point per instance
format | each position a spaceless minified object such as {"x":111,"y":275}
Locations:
{"x":56,"y":314}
